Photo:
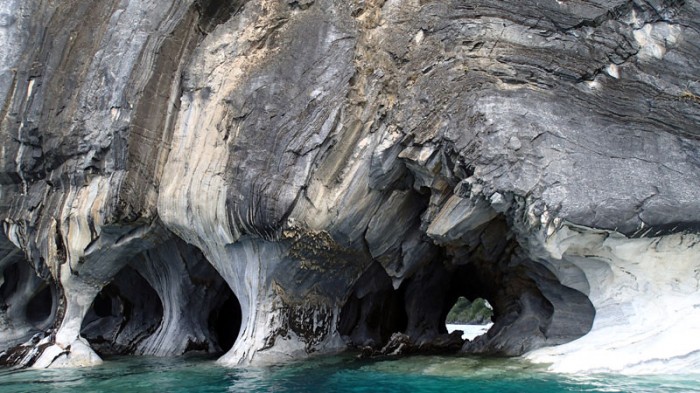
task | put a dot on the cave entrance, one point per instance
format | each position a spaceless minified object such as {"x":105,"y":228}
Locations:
{"x":168,"y":301}
{"x":473,"y":318}
{"x":25,"y":298}
{"x":123,"y":314}
{"x":41,"y":307}
{"x":374,"y":311}
{"x":225,"y":320}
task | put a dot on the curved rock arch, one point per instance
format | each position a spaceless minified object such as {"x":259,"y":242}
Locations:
{"x":28,"y":303}
{"x":166,"y":301}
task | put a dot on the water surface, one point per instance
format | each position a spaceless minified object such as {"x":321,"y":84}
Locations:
{"x":332,"y":374}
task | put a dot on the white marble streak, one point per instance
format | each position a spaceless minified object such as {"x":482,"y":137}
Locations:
{"x":647,"y":298}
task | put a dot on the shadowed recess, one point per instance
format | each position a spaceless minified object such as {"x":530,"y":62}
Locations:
{"x":124,"y":313}
{"x":216,"y":12}
{"x":25,"y":299}
{"x":374,"y":311}
{"x":225,"y":321}
{"x":41,"y":306}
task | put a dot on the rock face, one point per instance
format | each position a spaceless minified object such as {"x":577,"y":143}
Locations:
{"x":272,"y":179}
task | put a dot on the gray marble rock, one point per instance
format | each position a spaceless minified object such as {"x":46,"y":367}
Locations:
{"x":286,"y":178}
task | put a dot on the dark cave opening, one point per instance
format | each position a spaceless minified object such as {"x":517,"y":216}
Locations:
{"x":471,"y":285}
{"x":41,"y":306}
{"x":124,"y":313}
{"x":379,"y":317}
{"x":375,"y":317}
{"x":215,"y":12}
{"x":225,"y":320}
{"x":102,"y":305}
{"x":374,"y":311}
{"x":531,"y":308}
{"x":10,"y":281}
{"x":24,"y":296}
{"x":528,"y":306}
{"x":168,"y":301}
{"x":201,"y":309}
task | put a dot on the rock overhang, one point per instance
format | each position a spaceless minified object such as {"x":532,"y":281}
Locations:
{"x":335,"y":160}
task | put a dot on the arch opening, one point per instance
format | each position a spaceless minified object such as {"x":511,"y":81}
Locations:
{"x":123,"y":314}
{"x":10,"y":281}
{"x":41,"y":307}
{"x":26,"y":299}
{"x":472,"y":318}
{"x":225,"y":320}
{"x":167,"y":301}
{"x":374,"y":311}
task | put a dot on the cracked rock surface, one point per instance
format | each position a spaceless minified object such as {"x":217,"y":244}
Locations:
{"x":268,"y":180}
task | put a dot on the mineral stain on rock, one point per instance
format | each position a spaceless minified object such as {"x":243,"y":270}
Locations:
{"x":268,"y":179}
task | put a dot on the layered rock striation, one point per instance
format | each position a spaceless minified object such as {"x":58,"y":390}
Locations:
{"x":273,"y":179}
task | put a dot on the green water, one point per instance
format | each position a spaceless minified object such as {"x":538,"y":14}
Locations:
{"x":333,"y":374}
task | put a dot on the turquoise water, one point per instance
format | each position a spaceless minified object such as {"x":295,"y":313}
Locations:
{"x":333,"y":374}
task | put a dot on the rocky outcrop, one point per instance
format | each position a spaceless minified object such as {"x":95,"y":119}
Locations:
{"x":297,"y":177}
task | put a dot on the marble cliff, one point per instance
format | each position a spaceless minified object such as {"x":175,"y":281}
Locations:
{"x":272,"y":179}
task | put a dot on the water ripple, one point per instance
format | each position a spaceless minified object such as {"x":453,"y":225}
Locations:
{"x":331,"y":374}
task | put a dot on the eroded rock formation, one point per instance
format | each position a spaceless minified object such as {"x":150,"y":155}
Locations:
{"x":296,"y":177}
